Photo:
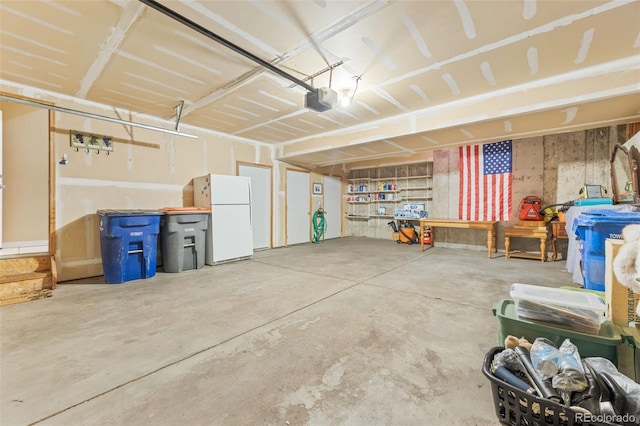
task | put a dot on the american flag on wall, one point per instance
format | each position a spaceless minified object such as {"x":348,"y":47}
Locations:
{"x":486,"y":181}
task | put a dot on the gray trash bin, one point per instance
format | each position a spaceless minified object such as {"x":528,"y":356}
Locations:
{"x":183,"y":234}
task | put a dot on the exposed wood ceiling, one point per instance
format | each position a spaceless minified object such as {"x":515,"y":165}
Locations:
{"x":432,"y":74}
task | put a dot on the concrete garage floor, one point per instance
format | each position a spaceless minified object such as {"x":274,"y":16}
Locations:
{"x":354,"y":331}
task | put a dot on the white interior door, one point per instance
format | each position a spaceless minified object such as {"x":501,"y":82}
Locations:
{"x":298,"y":201}
{"x":260,"y":203}
{"x":26,"y":179}
{"x":332,"y":206}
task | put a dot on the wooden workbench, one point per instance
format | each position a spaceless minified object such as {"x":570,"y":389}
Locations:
{"x":539,"y":232}
{"x":466,"y":224}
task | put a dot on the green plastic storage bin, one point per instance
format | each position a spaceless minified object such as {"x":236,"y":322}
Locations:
{"x":629,"y":354}
{"x":605,"y":344}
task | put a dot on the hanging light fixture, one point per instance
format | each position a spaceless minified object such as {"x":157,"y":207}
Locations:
{"x":345,"y":100}
{"x":347,"y":96}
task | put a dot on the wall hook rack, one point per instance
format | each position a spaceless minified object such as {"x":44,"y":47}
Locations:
{"x":90,"y":142}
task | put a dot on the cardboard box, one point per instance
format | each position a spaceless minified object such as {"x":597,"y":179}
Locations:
{"x":621,"y":302}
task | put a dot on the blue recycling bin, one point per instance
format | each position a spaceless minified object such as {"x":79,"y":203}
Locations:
{"x":593,"y":228}
{"x":129,"y":241}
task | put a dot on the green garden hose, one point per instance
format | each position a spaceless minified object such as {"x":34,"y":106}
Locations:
{"x":319,"y":226}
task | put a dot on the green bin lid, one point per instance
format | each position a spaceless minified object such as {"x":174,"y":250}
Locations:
{"x":609,"y":335}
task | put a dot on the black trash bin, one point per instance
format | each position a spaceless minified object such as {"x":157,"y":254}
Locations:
{"x":183,"y":234}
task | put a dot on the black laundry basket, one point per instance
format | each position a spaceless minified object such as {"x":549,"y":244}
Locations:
{"x":518,"y":408}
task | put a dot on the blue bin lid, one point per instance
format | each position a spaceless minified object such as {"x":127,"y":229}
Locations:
{"x":595,"y":217}
{"x":609,"y":213}
{"x":135,"y":212}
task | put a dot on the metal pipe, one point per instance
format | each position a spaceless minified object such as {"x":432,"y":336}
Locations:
{"x":91,"y":115}
{"x":205,"y":32}
{"x":179,"y":113}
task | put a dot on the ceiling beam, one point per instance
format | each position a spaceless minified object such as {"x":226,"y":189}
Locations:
{"x":596,"y":86}
{"x":129,"y":16}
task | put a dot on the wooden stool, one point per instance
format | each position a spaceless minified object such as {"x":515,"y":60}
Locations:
{"x":558,"y":231}
{"x":539,"y":232}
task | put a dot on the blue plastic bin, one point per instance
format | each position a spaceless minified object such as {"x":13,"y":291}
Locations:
{"x":593,"y":228}
{"x":128,"y":241}
{"x":593,"y":271}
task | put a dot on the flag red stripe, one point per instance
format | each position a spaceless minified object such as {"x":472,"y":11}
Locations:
{"x":461,"y":193}
{"x":469,"y":181}
{"x":509,"y":198}
{"x":476,"y":181}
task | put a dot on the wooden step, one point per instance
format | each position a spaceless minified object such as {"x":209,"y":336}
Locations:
{"x":24,"y":264}
{"x":46,"y":278}
{"x":26,"y":278}
{"x":26,"y":289}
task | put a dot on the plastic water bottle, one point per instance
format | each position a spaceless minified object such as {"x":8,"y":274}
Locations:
{"x":545,"y":356}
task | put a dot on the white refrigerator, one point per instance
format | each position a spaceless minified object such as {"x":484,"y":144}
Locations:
{"x":230,"y":234}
